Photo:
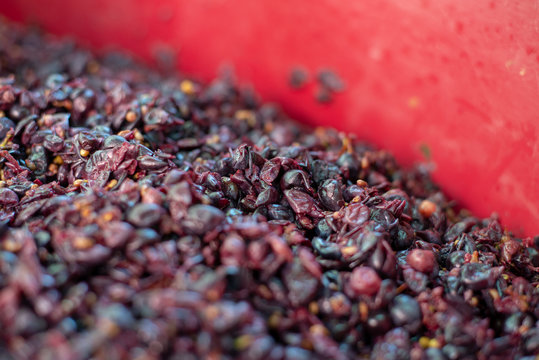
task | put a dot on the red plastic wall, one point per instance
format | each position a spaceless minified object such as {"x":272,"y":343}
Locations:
{"x":461,"y":77}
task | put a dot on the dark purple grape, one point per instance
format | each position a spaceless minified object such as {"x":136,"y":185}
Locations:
{"x":457,"y":229}
{"x":405,"y":312}
{"x":87,"y":141}
{"x":416,"y":281}
{"x":5,"y":125}
{"x":421,"y":260}
{"x":517,"y":321}
{"x":202,"y":218}
{"x":404,"y":238}
{"x":145,"y":215}
{"x":355,"y":214}
{"x":531,"y":342}
{"x":365,"y":281}
{"x":297,"y":353}
{"x":383,"y":259}
{"x":378,"y":323}
{"x":148,"y":162}
{"x":240,"y":159}
{"x":295,"y":178}
{"x":298,"y":78}
{"x":478,"y":276}
{"x":434,"y":354}
{"x":301,"y":285}
{"x":299,"y":201}
{"x":270,"y":171}
{"x":159,"y":117}
{"x":266,"y":197}
{"x":322,"y":171}
{"x":230,"y":189}
{"x":326,"y":249}
{"x":350,"y":165}
{"x":53,"y":143}
{"x":113,"y":141}
{"x":330,"y":194}
{"x":354,"y":192}
{"x":383,"y":220}
{"x":8,"y":197}
{"x":429,"y":236}
{"x":232,"y":251}
{"x":330,"y":80}
{"x":280,"y":212}
{"x":117,"y":233}
{"x":394,"y":345}
{"x":323,"y":229}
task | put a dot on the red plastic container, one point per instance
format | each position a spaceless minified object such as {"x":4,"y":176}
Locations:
{"x":460,"y":78}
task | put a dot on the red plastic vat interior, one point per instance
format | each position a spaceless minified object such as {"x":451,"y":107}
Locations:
{"x":460,"y":78}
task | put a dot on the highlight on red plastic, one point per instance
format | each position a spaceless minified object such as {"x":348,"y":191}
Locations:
{"x":458,"y":79}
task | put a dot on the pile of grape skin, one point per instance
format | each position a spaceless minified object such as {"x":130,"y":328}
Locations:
{"x":145,"y":216}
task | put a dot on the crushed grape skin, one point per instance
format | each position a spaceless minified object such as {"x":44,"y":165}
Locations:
{"x":150,"y":216}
